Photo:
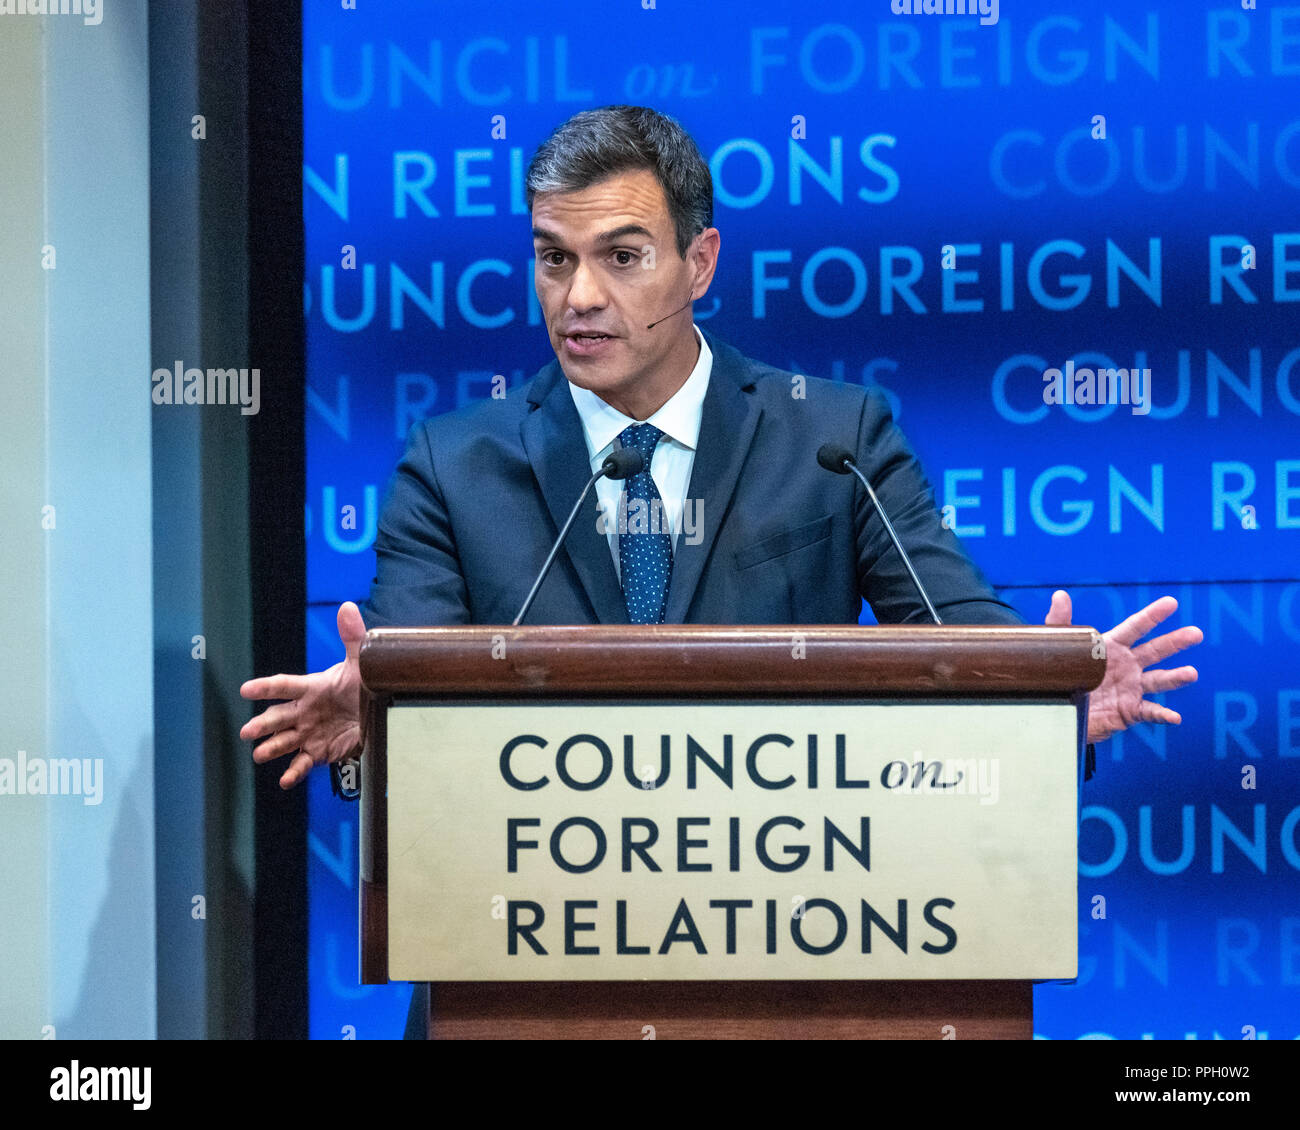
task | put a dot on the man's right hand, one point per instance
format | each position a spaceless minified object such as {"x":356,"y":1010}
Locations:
{"x":321,"y":717}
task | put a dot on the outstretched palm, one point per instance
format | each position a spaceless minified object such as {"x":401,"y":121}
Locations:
{"x":321,"y":718}
{"x":1119,"y":702}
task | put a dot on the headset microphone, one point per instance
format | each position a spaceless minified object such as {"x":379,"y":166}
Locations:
{"x":674,"y":314}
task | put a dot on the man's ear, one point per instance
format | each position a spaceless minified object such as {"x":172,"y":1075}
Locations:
{"x":703,"y":254}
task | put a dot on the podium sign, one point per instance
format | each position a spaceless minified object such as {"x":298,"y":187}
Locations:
{"x":690,"y":840}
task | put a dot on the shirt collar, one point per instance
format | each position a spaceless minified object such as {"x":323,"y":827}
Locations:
{"x":678,"y":418}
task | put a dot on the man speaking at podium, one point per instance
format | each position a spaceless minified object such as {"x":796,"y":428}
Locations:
{"x":727,"y":513}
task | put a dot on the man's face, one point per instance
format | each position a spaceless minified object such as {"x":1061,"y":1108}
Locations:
{"x":607,"y":265}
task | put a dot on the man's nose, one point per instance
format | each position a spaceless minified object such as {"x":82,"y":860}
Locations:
{"x":585,"y":291}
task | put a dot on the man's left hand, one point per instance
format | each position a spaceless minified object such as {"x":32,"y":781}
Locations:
{"x":1118,"y":703}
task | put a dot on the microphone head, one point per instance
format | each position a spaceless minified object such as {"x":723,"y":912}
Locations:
{"x":623,"y":463}
{"x":835,"y":458}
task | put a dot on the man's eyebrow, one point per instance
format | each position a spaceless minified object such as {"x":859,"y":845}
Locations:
{"x":614,"y":235}
{"x":611,"y":236}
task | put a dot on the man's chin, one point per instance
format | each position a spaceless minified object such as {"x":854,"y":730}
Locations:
{"x":593,"y":377}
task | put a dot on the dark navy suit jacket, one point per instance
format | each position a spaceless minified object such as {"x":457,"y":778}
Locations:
{"x":481,"y":493}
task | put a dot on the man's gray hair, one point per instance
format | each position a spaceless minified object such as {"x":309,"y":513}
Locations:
{"x":596,"y":144}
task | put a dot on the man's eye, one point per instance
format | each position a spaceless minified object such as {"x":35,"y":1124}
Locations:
{"x":553,"y":258}
{"x":625,"y":258}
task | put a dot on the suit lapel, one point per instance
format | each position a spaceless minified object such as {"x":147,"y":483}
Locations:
{"x":727,"y":428}
{"x":557,"y":450}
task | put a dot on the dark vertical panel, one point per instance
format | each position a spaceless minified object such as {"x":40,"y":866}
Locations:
{"x":222,"y":236}
{"x":200,"y":313}
{"x":276,"y":493}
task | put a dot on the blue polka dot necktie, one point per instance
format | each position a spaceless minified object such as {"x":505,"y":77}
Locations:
{"x":645,"y":545}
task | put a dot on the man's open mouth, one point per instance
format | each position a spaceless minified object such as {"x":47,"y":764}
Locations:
{"x":590,"y":337}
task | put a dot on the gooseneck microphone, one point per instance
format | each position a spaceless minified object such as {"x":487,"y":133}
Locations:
{"x":621,"y":463}
{"x":840,"y":460}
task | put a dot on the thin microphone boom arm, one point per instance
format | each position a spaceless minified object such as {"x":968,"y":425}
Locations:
{"x":620,"y":464}
{"x":667,"y":316}
{"x":840,"y":460}
{"x":689,"y":299}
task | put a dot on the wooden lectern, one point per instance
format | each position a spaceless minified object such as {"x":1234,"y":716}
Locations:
{"x":465,"y":897}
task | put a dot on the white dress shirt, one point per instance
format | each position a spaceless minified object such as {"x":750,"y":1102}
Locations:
{"x":674,"y":455}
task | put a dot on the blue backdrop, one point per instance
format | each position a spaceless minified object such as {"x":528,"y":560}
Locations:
{"x":946,"y":209}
